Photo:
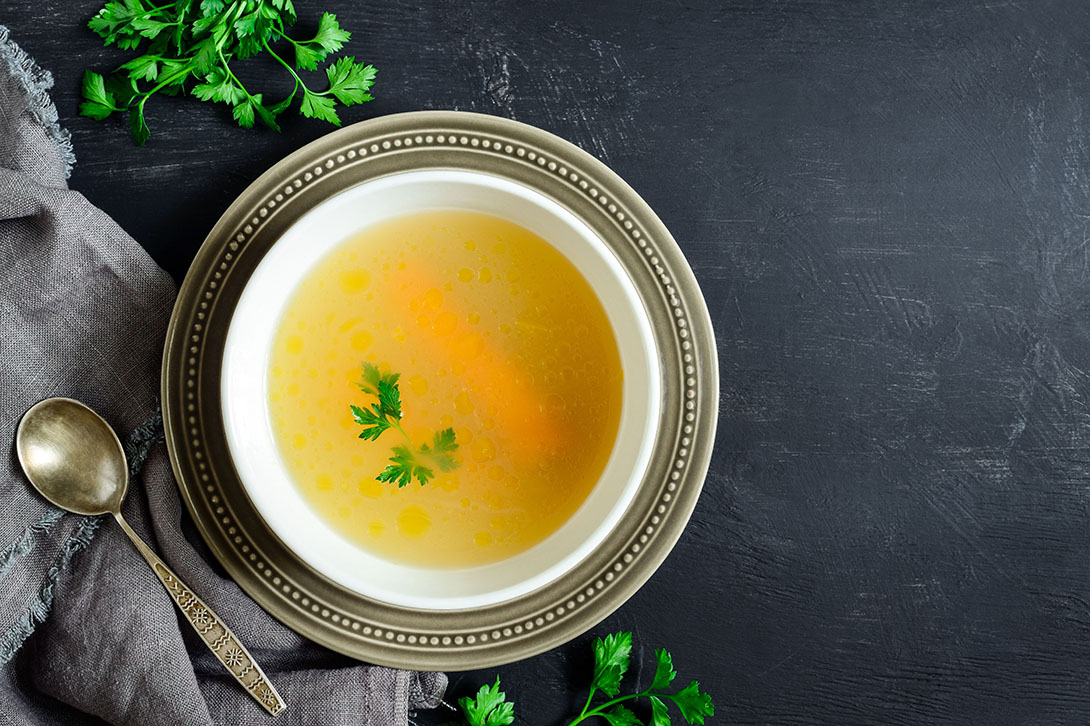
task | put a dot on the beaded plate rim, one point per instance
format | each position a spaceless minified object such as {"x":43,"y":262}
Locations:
{"x":392,"y":635}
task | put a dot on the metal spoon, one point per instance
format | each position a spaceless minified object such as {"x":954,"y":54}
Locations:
{"x":75,"y":460}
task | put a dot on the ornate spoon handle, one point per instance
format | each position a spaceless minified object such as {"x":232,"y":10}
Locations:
{"x":217,"y":636}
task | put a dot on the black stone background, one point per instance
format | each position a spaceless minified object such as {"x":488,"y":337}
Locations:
{"x":887,"y":203}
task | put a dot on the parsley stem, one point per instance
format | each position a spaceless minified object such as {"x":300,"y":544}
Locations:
{"x":166,"y":81}
{"x":230,"y":73}
{"x":589,"y":697}
{"x":298,"y":80}
{"x":155,"y":10}
{"x":597,"y":711}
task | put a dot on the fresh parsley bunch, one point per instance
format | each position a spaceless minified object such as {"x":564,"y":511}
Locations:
{"x":612,"y":656}
{"x":407,"y":462}
{"x":188,"y":46}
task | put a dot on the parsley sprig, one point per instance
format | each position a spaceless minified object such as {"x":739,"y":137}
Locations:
{"x":612,"y":656}
{"x":189,"y":46}
{"x":407,"y":462}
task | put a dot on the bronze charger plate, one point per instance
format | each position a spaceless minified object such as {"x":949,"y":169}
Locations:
{"x":285,"y":585}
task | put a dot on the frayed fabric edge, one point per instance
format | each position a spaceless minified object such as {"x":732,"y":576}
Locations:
{"x":38,"y":611}
{"x":29,"y":539}
{"x":137,"y":448}
{"x":36,"y":82}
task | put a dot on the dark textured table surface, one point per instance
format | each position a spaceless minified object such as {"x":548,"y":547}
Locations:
{"x":887,"y":204}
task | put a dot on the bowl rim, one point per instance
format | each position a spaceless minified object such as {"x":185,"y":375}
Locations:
{"x":259,"y":459}
{"x":373,"y":631}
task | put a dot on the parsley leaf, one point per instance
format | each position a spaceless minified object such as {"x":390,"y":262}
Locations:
{"x":664,"y":671}
{"x":660,"y":714}
{"x":188,"y":47}
{"x":320,"y":107}
{"x":611,"y":657}
{"x":489,"y":707}
{"x":621,"y":716}
{"x":349,"y":80}
{"x":372,"y":376}
{"x":404,"y":467}
{"x":694,"y":705}
{"x":307,"y":58}
{"x":441,"y":449}
{"x":330,"y":36}
{"x":373,"y":420}
{"x":142,"y":67}
{"x":406,"y":463}
{"x":138,"y":126}
{"x":99,"y":103}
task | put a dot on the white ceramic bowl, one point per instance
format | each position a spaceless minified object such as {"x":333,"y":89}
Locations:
{"x":245,"y":390}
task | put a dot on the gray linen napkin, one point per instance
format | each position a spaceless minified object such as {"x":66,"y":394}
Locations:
{"x":87,"y":633}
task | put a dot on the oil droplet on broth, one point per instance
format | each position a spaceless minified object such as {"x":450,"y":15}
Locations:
{"x":417,"y":296}
{"x":413,"y":522}
{"x":418,"y":385}
{"x":353,"y":281}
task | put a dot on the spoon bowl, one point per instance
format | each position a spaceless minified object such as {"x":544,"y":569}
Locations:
{"x":72,"y":457}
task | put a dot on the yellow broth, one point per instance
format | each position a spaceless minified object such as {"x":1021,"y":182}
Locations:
{"x":495,"y":334}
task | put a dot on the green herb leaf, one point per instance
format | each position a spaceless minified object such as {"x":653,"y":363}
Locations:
{"x":611,"y":658}
{"x":664,"y":671}
{"x":443,"y":445}
{"x":330,"y":36}
{"x":286,"y":7}
{"x":373,"y":419}
{"x":490,"y":707}
{"x":307,"y":58}
{"x":148,"y":27}
{"x":211,"y":7}
{"x":320,"y":107}
{"x":389,"y":398}
{"x":244,"y":113}
{"x":114,"y":18}
{"x":406,"y":463}
{"x":349,"y":81}
{"x":192,"y":44}
{"x":372,"y":376}
{"x":137,"y":125}
{"x":403,"y":467}
{"x":98,"y":102}
{"x":267,"y":116}
{"x":660,"y":715}
{"x":219,"y":87}
{"x":694,"y":705}
{"x":144,"y":67}
{"x":621,"y":716}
